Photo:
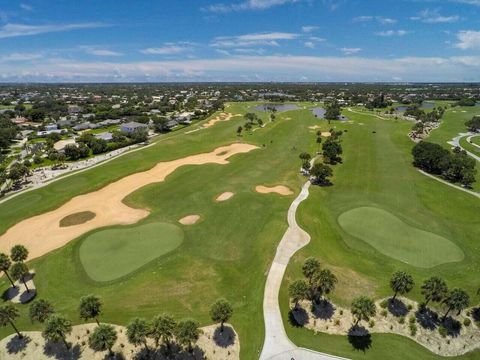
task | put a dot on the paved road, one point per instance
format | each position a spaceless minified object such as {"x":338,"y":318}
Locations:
{"x":277,"y":345}
{"x":456,"y":142}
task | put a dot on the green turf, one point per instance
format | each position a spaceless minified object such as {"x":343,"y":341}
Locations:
{"x":77,"y":218}
{"x":127,"y":249}
{"x":395,"y":238}
{"x":475,"y":140}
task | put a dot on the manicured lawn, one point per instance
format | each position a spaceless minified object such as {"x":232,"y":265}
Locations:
{"x":377,"y":172}
{"x":395,"y":238}
{"x":475,"y":140}
{"x":127,"y":249}
{"x":77,"y":218}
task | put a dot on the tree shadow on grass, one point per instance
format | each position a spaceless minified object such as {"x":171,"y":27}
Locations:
{"x":17,"y":344}
{"x":323,"y":310}
{"x":453,"y":326}
{"x":427,"y":318}
{"x":359,"y":338}
{"x":397,"y":308}
{"x":59,"y":351}
{"x":224,"y":338}
{"x":175,"y":352}
{"x":10,"y":293}
{"x":298,"y":317}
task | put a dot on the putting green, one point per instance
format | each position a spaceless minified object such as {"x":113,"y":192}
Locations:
{"x":113,"y":253}
{"x":392,"y":237}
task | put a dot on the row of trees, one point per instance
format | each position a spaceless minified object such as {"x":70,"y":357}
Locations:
{"x":455,"y":166}
{"x":14,"y":266}
{"x":161,"y":329}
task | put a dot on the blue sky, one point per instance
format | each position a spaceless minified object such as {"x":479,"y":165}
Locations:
{"x":240,"y":40}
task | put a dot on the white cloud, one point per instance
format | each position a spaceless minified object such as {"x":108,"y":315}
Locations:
{"x":468,"y":40}
{"x":388,"y":33}
{"x":169,"y":49}
{"x":248,"y":40}
{"x":309,"y":29}
{"x":433,"y":17}
{"x":309,"y":44}
{"x":350,"y":51}
{"x":13,"y":30}
{"x":103,"y":52}
{"x":21,"y":57}
{"x":26,"y":7}
{"x":380,"y":19}
{"x":247,"y":5}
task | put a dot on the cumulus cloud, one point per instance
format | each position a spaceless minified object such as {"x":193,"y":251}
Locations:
{"x":468,"y":40}
{"x":14,"y":30}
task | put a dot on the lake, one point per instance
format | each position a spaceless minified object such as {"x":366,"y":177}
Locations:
{"x":277,"y":107}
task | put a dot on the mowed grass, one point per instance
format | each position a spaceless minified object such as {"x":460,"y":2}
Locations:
{"x":227,"y":254}
{"x":77,"y":218}
{"x":395,"y":238}
{"x":476,"y":140}
{"x":127,"y":249}
{"x":377,"y":172}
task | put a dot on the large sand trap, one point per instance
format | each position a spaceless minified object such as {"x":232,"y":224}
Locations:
{"x":214,"y":345}
{"x":225,"y":196}
{"x":221,"y":117}
{"x":60,"y":145}
{"x":45,"y":233}
{"x":279,"y":189}
{"x":189,"y":220}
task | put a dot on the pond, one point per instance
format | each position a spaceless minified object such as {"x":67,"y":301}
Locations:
{"x":425,"y":106}
{"x":277,"y":107}
{"x":319,"y":112}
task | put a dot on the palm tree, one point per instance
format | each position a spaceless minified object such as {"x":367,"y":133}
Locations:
{"x":457,"y":299}
{"x":40,"y":310}
{"x":57,"y":327}
{"x":221,"y":311}
{"x":187,"y":332}
{"x":5,"y":264}
{"x":298,"y":291}
{"x":363,"y":308}
{"x":310,"y":267}
{"x":401,"y":283}
{"x":325,"y":282}
{"x":162,"y":328}
{"x":19,"y":271}
{"x":8,"y":314}
{"x":434,"y":289}
{"x":137,"y":331}
{"x":19,"y":253}
{"x":90,"y":307}
{"x":103,"y":338}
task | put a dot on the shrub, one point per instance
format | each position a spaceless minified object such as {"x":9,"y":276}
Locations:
{"x":442,"y":331}
{"x":412,"y":320}
{"x":384,"y":313}
{"x":337,"y":322}
{"x":409,"y":307}
{"x":384,"y":304}
{"x":413,"y":329}
{"x":341,"y":312}
{"x":402,"y":320}
{"x":467,"y":322}
{"x":371,"y":323}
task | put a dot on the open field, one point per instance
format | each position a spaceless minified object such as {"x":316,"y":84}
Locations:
{"x":229,"y":251}
{"x":377,"y":172}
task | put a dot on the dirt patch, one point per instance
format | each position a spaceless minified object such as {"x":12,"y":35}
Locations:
{"x":211,"y":345}
{"x":225,"y":196}
{"x":279,"y":189}
{"x":189,"y":220}
{"x":220,"y":117}
{"x":77,"y":218}
{"x":106,"y":203}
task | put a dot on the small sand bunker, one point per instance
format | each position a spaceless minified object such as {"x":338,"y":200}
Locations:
{"x":225,"y":196}
{"x":60,"y":145}
{"x":314,"y":127}
{"x":221,"y":117}
{"x":189,"y":220}
{"x":77,"y":218}
{"x":279,"y":189}
{"x":107,"y":203}
{"x":326,"y":133}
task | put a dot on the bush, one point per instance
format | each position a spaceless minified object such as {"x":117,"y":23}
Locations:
{"x":384,"y":304}
{"x":412,"y":320}
{"x":384,"y":313}
{"x":413,"y":329}
{"x":371,"y":323}
{"x":341,"y":312}
{"x":402,"y":320}
{"x":409,"y":307}
{"x":442,"y":331}
{"x":467,"y":322}
{"x":337,"y":322}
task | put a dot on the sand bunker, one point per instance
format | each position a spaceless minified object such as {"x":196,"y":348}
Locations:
{"x":314,"y":127}
{"x":77,"y":218}
{"x":225,"y":196}
{"x":326,"y":134}
{"x":279,"y":189}
{"x":221,"y":117}
{"x":189,"y":220}
{"x":60,"y":145}
{"x":106,"y":203}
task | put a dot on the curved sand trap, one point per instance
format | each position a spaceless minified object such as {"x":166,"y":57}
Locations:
{"x":225,"y":196}
{"x":77,"y":218}
{"x":60,"y":145}
{"x":189,"y":220}
{"x":106,"y":203}
{"x":221,"y":117}
{"x":326,"y":134}
{"x":279,"y":189}
{"x":395,"y":238}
